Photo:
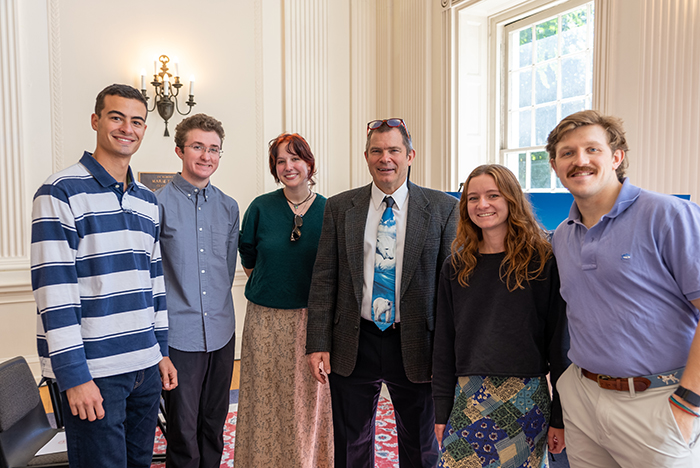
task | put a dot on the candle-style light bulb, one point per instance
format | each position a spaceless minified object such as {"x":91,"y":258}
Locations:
{"x":143,"y":79}
{"x":166,"y":84}
{"x":191,"y":85}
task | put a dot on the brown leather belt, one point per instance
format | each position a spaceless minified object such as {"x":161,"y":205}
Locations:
{"x":613,"y":383}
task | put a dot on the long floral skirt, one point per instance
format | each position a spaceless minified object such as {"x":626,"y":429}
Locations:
{"x":284,"y":414}
{"x":497,"y":421}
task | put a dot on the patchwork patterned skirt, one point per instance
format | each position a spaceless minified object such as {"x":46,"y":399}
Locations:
{"x":497,"y":422}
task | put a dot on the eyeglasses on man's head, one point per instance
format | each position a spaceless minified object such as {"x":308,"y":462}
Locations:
{"x":393,"y":123}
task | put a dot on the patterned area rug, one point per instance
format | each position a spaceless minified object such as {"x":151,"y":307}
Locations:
{"x":385,"y":444}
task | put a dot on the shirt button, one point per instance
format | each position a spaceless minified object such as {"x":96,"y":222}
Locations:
{"x":201,"y":250}
{"x":205,"y":314}
{"x":204,"y":293}
{"x":189,"y":194}
{"x":196,"y":190}
{"x":200,"y":229}
{"x":202,"y":271}
{"x":199,"y":207}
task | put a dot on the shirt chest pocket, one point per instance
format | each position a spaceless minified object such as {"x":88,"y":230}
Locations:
{"x":220,"y":239}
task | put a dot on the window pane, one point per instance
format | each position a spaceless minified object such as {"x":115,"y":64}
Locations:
{"x":549,"y":73}
{"x":523,"y":81}
{"x":546,"y":34}
{"x":525,"y":128}
{"x":573,"y":76}
{"x":525,"y":47}
{"x":516,"y":162}
{"x":539,"y":170}
{"x":573,"y":31}
{"x":545,"y":121}
{"x":589,"y":74}
{"x":568,"y":108}
{"x":546,"y":83}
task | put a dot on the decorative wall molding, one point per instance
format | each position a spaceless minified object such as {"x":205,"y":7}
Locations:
{"x":13,"y":226}
{"x":306,"y":78}
{"x":15,"y":281}
{"x":407,"y":79}
{"x":16,"y":294}
{"x":604,"y":14}
{"x":447,"y":118}
{"x":665,"y":157}
{"x":363,"y":67}
{"x":260,"y":154}
{"x":56,"y":84}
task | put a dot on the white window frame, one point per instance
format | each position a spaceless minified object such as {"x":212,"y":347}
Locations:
{"x":517,"y":24}
{"x":496,"y":14}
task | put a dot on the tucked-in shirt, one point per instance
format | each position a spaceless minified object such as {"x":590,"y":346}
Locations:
{"x":199,"y":239}
{"x":628,"y":282}
{"x":281,"y":275}
{"x":96,"y":275}
{"x":374,"y":216}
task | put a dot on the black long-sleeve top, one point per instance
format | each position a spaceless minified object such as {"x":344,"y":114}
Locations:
{"x":484,"y":329}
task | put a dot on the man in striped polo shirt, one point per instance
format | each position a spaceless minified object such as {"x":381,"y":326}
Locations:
{"x":98,"y":284}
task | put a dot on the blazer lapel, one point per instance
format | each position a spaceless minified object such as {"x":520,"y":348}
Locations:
{"x":355,"y":221}
{"x":417,"y":225}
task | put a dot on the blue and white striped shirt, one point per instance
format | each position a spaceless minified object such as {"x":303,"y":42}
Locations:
{"x":97,"y":276}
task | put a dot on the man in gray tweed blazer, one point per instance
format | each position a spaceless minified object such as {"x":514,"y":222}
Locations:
{"x":343,"y":331}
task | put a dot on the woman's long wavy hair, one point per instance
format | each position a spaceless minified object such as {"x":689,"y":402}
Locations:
{"x":525,"y":240}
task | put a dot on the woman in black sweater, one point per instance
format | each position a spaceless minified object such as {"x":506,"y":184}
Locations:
{"x":500,"y":328}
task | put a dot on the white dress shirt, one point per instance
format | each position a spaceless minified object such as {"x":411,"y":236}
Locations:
{"x":374,"y":215}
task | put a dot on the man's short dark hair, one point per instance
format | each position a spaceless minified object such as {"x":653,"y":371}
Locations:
{"x":120,"y":90}
{"x":197,"y":122}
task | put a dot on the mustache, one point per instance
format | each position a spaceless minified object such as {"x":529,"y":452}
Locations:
{"x":580,"y":169}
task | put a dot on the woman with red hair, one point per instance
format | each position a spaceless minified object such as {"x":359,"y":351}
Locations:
{"x":284,"y":414}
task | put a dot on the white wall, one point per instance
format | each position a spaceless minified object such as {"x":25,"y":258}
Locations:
{"x":321,"y":68}
{"x":654,"y":71}
{"x":238,"y":50}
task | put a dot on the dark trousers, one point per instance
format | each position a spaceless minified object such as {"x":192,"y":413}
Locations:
{"x":197,"y":408}
{"x":124,"y":437}
{"x":354,"y":400}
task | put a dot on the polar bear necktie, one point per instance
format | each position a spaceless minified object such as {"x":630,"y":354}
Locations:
{"x":383,"y":291}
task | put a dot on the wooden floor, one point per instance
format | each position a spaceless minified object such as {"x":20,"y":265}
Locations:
{"x":235,"y":381}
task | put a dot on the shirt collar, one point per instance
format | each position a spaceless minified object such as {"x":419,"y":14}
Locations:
{"x":399,"y":196}
{"x":100,"y":173}
{"x":628,"y":195}
{"x":188,"y":188}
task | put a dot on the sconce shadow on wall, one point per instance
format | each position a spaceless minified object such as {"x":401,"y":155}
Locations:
{"x":166,"y":90}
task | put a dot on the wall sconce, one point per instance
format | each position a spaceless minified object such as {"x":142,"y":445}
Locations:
{"x":166,"y":89}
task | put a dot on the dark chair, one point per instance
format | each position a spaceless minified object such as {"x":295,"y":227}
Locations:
{"x":55,"y":396}
{"x":24,"y":427}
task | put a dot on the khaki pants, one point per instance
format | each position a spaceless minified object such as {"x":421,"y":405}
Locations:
{"x":607,"y":428}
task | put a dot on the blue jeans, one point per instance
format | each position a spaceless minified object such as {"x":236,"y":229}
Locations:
{"x":124,"y":437}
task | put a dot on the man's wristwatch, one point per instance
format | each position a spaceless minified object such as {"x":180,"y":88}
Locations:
{"x":689,"y":396}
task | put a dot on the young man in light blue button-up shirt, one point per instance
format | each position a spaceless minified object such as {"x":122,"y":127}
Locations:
{"x":199,"y":238}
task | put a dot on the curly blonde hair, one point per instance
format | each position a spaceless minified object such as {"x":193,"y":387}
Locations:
{"x":525,"y":240}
